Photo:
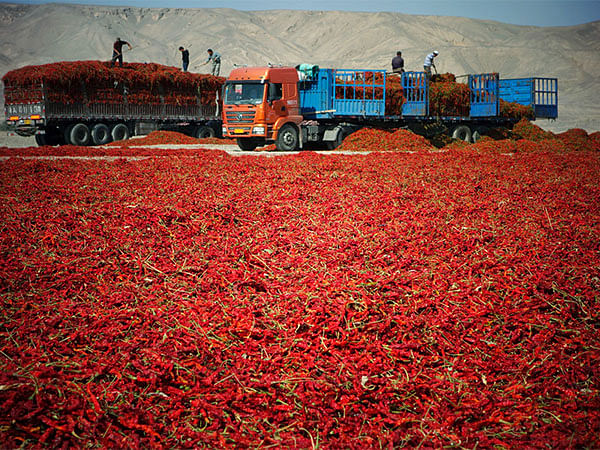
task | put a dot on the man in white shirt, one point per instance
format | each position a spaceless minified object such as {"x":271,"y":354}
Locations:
{"x":428,"y":64}
{"x":216,"y":61}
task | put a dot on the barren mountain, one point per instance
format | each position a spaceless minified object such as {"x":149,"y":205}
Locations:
{"x":38,"y":34}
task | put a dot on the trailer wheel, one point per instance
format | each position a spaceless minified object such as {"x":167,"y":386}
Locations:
{"x":67,"y":134}
{"x":247,"y":144}
{"x":119,"y":132}
{"x":287,"y":138}
{"x":462,"y":132}
{"x":80,"y":134}
{"x":479,"y":133}
{"x":40,"y":139}
{"x":100,"y":134}
{"x":204,"y":131}
{"x":342,"y":134}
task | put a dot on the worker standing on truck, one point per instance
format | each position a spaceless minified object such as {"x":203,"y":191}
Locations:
{"x":428,"y":64}
{"x":216,"y":62}
{"x":185,"y":58}
{"x":118,"y":51}
{"x":398,"y":63}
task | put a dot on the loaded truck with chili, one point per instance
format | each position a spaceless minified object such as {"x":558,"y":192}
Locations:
{"x":296,"y":106}
{"x":92,"y":103}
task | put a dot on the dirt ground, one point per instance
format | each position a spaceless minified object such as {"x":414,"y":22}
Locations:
{"x":16,"y":142}
{"x":12,"y":140}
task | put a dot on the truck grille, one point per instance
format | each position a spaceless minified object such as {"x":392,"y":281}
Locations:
{"x":234,"y":117}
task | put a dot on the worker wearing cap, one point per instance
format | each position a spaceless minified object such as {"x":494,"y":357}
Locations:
{"x":428,"y":64}
{"x":398,"y":63}
{"x":118,"y":52}
{"x":216,"y":62}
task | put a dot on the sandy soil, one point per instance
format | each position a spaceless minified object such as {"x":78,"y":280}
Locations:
{"x":11,"y":140}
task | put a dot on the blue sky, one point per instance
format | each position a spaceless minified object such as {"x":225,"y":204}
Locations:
{"x":520,"y":12}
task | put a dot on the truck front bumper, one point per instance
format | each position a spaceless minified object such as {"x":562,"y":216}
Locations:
{"x":245,"y":130}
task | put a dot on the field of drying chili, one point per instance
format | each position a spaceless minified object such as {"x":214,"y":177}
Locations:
{"x":434,"y":298}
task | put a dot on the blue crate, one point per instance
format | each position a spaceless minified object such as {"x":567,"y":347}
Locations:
{"x":343,"y":92}
{"x":316,"y":95}
{"x":484,"y":95}
{"x":359,"y":92}
{"x":539,"y":93}
{"x":416,"y":93}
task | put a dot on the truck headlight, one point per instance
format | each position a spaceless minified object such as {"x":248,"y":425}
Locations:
{"x":258,"y":130}
{"x":224,"y":131}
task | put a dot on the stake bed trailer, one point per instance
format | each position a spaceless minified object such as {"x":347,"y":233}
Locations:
{"x":97,"y":121}
{"x":272,"y":104}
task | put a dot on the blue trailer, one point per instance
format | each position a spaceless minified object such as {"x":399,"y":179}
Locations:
{"x":350,"y":99}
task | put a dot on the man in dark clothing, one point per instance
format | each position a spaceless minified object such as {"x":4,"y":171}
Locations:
{"x":185,"y":58}
{"x":118,"y":51}
{"x":398,"y":63}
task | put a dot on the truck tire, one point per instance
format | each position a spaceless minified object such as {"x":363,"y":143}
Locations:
{"x":67,"y":134}
{"x":287,"y":138}
{"x":119,"y":132}
{"x":79,"y":134}
{"x":204,"y":131}
{"x":479,"y":133}
{"x":332,"y":145}
{"x":100,"y":134}
{"x":462,"y":132}
{"x":40,"y":140}
{"x":247,"y":144}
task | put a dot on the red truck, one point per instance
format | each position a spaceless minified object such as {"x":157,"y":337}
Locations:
{"x":262,"y":104}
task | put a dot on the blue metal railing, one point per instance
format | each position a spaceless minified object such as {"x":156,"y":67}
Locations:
{"x":359,"y":92}
{"x":539,"y":93}
{"x":484,"y":95}
{"x":416,"y":93}
{"x":363,"y":93}
{"x":316,"y":98}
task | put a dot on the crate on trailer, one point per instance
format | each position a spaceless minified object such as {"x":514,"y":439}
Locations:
{"x":359,"y":92}
{"x":344,"y":92}
{"x":539,"y":93}
{"x":484,"y":95}
{"x":416,"y":92}
{"x":316,"y":95}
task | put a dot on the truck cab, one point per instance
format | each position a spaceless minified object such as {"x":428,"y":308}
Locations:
{"x":261,"y":106}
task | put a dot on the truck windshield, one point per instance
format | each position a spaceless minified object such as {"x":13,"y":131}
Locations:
{"x":244,"y":93}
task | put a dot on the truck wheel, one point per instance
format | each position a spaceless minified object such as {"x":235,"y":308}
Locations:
{"x":80,"y":134}
{"x":100,"y":134}
{"x":479,"y":133}
{"x":287,"y":138}
{"x":247,"y":144}
{"x":205,"y":132}
{"x":342,"y":134}
{"x":40,"y":139}
{"x":67,"y":134}
{"x":462,"y":132}
{"x":119,"y":132}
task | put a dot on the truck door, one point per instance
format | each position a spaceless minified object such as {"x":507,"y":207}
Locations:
{"x":276,"y":105}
